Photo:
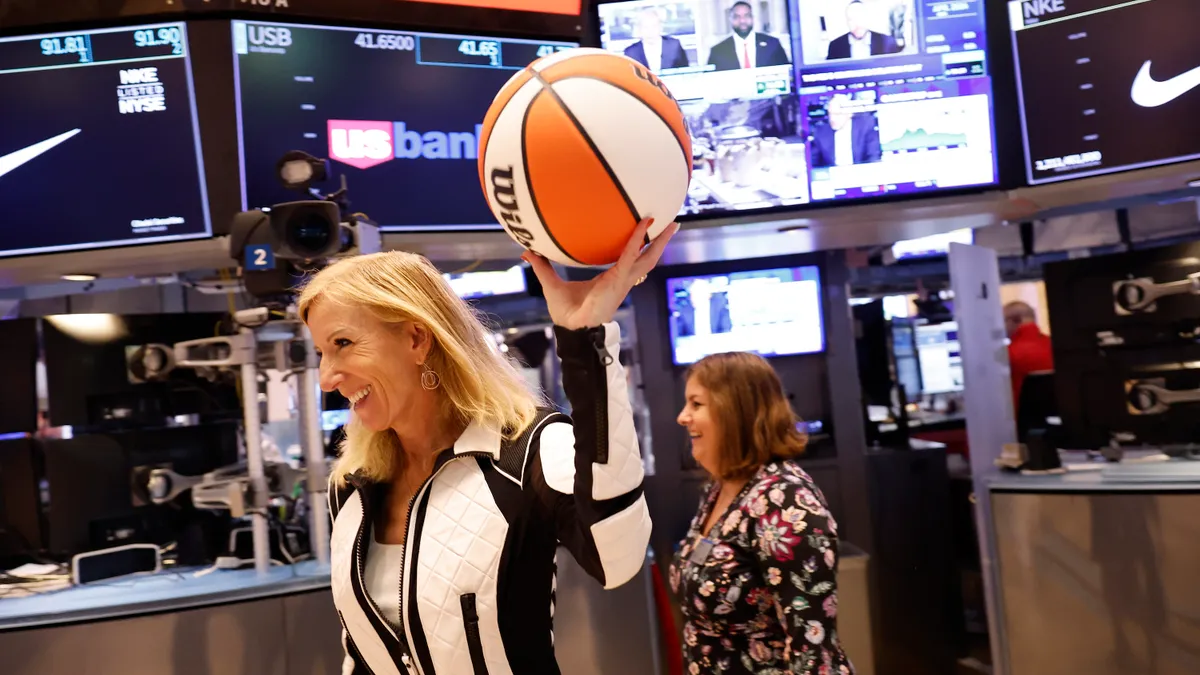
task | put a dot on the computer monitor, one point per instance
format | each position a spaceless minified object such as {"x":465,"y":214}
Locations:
{"x":908,"y":365}
{"x":940,"y":358}
{"x":397,"y":113}
{"x":772,"y":312}
{"x":473,"y":285}
{"x":1104,"y":85}
{"x":99,"y":144}
{"x":933,"y":246}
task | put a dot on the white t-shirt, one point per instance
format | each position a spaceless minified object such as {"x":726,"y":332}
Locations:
{"x":745,"y":47}
{"x":843,"y":145}
{"x":383,"y":579}
{"x":860,"y":48}
{"x":653,"y":48}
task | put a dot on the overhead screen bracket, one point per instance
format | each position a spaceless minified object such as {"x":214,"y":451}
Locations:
{"x":1151,"y":397}
{"x":1141,"y":295}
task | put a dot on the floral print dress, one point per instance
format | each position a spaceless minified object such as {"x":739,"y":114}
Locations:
{"x":759,"y":592}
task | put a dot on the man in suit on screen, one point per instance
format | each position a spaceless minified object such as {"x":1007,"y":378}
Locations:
{"x":746,"y":48}
{"x":655,"y":50}
{"x":859,"y":42}
{"x":847,"y":138}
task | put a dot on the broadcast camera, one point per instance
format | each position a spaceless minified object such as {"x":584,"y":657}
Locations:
{"x":274,"y":246}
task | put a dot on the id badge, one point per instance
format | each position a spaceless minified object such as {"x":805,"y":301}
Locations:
{"x":700,"y":553}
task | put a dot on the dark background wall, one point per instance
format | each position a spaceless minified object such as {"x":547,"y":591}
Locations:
{"x":821,"y":387}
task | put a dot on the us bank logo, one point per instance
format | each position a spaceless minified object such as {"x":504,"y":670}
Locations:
{"x":364,"y":144}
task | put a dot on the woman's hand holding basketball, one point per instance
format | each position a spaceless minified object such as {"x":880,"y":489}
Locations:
{"x":585,"y":304}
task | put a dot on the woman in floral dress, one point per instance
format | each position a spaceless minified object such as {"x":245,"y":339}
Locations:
{"x":757,"y":573}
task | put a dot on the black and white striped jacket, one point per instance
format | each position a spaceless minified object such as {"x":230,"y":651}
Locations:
{"x":477,"y":584}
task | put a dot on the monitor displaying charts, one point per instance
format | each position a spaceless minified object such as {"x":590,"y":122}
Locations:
{"x":397,"y":113}
{"x":1106,"y":85}
{"x":825,"y":100}
{"x":99,"y":144}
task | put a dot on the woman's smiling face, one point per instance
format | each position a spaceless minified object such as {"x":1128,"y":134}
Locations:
{"x":376,"y":365}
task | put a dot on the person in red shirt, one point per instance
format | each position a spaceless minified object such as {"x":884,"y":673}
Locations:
{"x":1028,"y":347}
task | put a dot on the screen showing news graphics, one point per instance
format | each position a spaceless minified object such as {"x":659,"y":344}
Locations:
{"x":98,"y":140}
{"x":774,"y":312}
{"x":843,"y":99}
{"x":895,"y":95}
{"x":1106,"y":85}
{"x":396,"y":113}
{"x":731,"y":69}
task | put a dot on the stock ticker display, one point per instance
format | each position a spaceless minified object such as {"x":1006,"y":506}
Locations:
{"x":831,"y":101}
{"x":397,"y":113}
{"x":98,"y":140}
{"x":1106,"y":85}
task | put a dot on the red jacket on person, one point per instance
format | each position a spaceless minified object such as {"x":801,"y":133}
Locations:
{"x":1028,"y":352}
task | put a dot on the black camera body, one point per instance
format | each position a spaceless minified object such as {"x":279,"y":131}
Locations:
{"x":276,"y":246}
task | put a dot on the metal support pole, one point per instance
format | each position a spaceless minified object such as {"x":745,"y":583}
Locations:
{"x":254,"y":459}
{"x":313,"y":447}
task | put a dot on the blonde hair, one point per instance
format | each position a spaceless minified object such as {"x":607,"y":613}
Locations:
{"x":478,"y":382}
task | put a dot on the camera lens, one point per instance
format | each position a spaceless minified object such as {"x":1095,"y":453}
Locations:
{"x":311,"y":233}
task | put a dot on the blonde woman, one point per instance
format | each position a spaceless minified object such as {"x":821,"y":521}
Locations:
{"x":453,"y":488}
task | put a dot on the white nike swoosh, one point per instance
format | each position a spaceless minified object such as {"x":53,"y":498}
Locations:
{"x":1149,"y":93}
{"x":16,"y":158}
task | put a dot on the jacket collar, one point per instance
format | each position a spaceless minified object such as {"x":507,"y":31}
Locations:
{"x":478,"y":437}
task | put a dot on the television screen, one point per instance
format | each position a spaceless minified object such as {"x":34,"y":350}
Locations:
{"x":844,"y":99}
{"x":931,"y":246}
{"x":470,"y":285}
{"x":396,"y":112}
{"x":98,"y":140}
{"x":1106,"y":85}
{"x":939,"y":357}
{"x":773,"y":312}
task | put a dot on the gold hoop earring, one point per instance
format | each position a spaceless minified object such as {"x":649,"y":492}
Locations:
{"x":430,"y":380}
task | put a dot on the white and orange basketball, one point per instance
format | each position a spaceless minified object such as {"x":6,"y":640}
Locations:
{"x":579,"y":147}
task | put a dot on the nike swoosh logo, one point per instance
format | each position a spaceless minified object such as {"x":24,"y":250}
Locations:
{"x":14,"y":159}
{"x":1149,"y":93}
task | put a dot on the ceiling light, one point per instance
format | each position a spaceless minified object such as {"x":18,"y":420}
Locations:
{"x":79,"y":277}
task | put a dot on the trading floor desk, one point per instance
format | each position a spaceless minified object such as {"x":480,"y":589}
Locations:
{"x":283,"y":623}
{"x":175,"y":623}
{"x":1098,"y":577}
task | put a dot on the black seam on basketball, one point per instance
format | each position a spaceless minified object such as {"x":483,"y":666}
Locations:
{"x":529,"y":180}
{"x":637,"y":218}
{"x":687,"y":157}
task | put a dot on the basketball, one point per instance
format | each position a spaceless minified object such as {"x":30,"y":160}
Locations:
{"x":579,"y":147}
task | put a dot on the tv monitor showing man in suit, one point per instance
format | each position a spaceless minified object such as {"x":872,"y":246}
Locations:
{"x":859,"y":42}
{"x":745,"y":47}
{"x":655,"y":50}
{"x":846,"y":137}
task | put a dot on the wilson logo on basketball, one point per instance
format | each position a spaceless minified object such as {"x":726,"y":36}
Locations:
{"x":504,"y":196}
{"x":650,"y":77}
{"x":364,"y":144}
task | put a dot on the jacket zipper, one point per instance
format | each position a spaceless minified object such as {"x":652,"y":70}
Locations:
{"x":360,"y":563}
{"x":415,"y":664}
{"x":601,"y":403}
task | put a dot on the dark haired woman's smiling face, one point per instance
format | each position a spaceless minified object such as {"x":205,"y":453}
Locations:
{"x":697,"y":418}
